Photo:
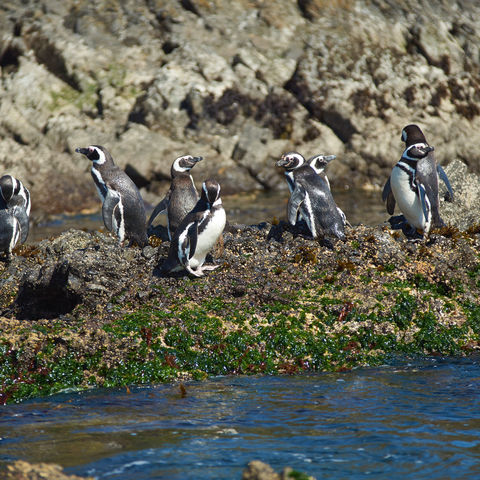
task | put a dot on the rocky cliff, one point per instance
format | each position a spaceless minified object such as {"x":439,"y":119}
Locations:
{"x":238,"y":82}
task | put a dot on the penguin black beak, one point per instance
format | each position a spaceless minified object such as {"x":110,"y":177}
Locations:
{"x":83,"y":151}
{"x":282,"y":162}
{"x":430,"y":149}
{"x":329,"y":158}
{"x":197,"y":159}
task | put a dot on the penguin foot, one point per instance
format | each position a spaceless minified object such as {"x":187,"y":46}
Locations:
{"x":209,"y":267}
{"x":198,"y":272}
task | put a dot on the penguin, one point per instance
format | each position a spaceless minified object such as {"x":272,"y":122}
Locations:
{"x":182,"y":195}
{"x":413,"y":184}
{"x":319,"y":164}
{"x":123,"y":210}
{"x":311,"y":197}
{"x":197,"y":233}
{"x":10,"y":231}
{"x":14,"y":213}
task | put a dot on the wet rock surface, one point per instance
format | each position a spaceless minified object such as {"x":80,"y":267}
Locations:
{"x":21,"y":470}
{"x":238,"y":83}
{"x":80,"y":311}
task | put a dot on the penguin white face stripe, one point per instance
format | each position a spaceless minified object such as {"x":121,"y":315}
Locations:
{"x":101,"y":156}
{"x":419,"y":146}
{"x":177,"y":167}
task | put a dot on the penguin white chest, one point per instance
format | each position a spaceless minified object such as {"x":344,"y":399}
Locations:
{"x":408,"y":199}
{"x":208,"y":236}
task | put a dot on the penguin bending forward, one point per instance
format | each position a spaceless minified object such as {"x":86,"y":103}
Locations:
{"x":14,"y":213}
{"x":198,"y":233}
{"x":311,"y":197}
{"x":123,"y":210}
{"x":413,"y":184}
{"x":182,"y":195}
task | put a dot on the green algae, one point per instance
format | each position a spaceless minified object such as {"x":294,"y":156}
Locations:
{"x":309,"y":330}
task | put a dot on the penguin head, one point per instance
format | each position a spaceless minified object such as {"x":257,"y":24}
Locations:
{"x":211,"y":192}
{"x":412,"y":134}
{"x":184,"y":164}
{"x":417,"y":151}
{"x":320,"y":162}
{"x":96,"y":153}
{"x":291,"y":160}
{"x":7,"y":187}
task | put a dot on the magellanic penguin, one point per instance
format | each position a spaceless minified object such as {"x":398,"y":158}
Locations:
{"x":319,"y":163}
{"x":14,"y":213}
{"x":123,"y":210}
{"x":311,"y":197}
{"x":197,"y":233}
{"x":182,"y":196}
{"x":413,"y":183}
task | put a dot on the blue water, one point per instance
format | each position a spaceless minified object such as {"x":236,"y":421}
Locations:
{"x":416,"y":420}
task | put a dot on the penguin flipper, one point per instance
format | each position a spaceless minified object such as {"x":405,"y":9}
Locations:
{"x":294,"y":203}
{"x":110,"y":204}
{"x":423,"y":200}
{"x":21,"y":215}
{"x":192,"y":236}
{"x":387,"y":195}
{"x":386,"y":190}
{"x":443,"y":176}
{"x":390,"y":203}
{"x":160,"y":208}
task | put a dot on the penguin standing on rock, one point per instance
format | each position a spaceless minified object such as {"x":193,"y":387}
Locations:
{"x":123,"y":210}
{"x":198,"y":233}
{"x":319,"y":164}
{"x":14,"y":213}
{"x":311,"y":197}
{"x":413,"y":184}
{"x":182,"y":195}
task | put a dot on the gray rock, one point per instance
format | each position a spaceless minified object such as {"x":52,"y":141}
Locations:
{"x":235,"y":83}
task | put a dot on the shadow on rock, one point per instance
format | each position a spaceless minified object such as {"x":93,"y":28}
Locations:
{"x":46,"y":294}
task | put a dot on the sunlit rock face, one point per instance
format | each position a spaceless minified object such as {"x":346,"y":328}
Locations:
{"x":238,"y":83}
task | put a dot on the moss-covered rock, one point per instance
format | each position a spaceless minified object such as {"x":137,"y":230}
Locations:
{"x":79,"y":311}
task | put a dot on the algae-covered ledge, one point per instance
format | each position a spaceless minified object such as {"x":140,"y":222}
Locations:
{"x":79,"y":311}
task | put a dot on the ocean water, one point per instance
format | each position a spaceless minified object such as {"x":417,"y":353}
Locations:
{"x":360,"y":207}
{"x":412,"y":419}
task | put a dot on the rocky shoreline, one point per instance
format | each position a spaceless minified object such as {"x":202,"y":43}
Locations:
{"x":238,"y":83}
{"x":79,"y":311}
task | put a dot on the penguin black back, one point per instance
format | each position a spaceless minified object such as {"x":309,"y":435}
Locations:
{"x":14,"y":212}
{"x":198,"y":233}
{"x":421,"y":153}
{"x":311,"y":197}
{"x":123,"y":209}
{"x":182,"y":195}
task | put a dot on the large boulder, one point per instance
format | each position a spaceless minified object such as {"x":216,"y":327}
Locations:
{"x":234,"y":83}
